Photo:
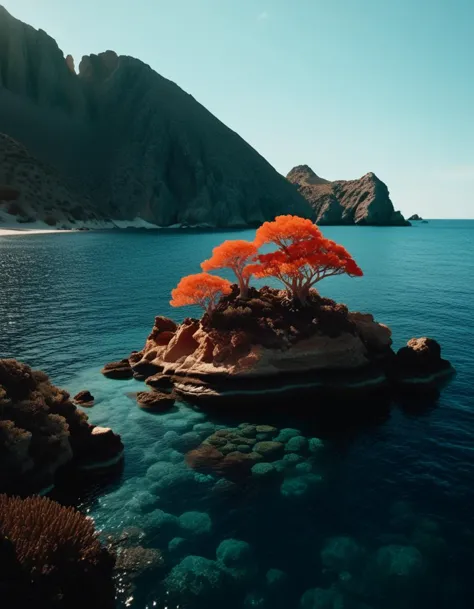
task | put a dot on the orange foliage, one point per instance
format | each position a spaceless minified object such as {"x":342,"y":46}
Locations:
{"x":201,"y":289}
{"x":234,"y":255}
{"x":304,"y":256}
{"x":285,"y":231}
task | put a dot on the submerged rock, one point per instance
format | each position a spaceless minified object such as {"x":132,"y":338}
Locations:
{"x":178,"y":547}
{"x":315,"y":445}
{"x":341,"y":554}
{"x":264,"y":470}
{"x":155,"y":400}
{"x":138,"y":560}
{"x":286,"y":434}
{"x":204,"y":459}
{"x":319,"y":598}
{"x":84,"y":399}
{"x":197,"y":580}
{"x":270,"y":450}
{"x":195,"y":523}
{"x":161,"y":524}
{"x":276,"y":580}
{"x":237,"y":558}
{"x":294,"y":487}
{"x":399,"y":562}
{"x":297,"y":444}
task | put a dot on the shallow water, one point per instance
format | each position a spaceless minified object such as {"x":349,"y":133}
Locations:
{"x":400,"y":486}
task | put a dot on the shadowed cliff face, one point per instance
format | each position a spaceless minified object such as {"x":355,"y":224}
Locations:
{"x":364,"y":201}
{"x":129,"y":139}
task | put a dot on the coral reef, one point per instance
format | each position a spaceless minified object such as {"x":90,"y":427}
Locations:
{"x":51,"y":557}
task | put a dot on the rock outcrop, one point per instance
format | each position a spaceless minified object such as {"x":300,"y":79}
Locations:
{"x":364,"y":202}
{"x":117,"y":141}
{"x":415,"y":218}
{"x":265,"y":349}
{"x":41,"y":432}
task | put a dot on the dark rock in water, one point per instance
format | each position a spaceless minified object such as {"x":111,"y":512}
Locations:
{"x":42,"y":432}
{"x":189,"y":170}
{"x":155,"y":400}
{"x":84,"y":398}
{"x":160,"y":381}
{"x":420,"y":363}
{"x":101,"y":449}
{"x":365,"y":201}
{"x":415,"y":218}
{"x":118,"y":370}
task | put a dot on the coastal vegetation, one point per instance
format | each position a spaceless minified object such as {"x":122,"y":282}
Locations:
{"x":302,"y":257}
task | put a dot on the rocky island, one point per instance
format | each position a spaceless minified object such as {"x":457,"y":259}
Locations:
{"x":256,"y":347}
{"x":363,"y":202}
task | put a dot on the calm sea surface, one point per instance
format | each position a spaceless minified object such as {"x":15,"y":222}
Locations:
{"x":380,"y":516}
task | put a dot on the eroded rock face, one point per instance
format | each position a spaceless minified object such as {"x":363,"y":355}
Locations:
{"x":365,"y":201}
{"x":265,"y":349}
{"x":41,"y":431}
{"x":126,"y":142}
{"x":195,"y":349}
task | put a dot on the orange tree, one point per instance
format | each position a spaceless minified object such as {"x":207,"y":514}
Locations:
{"x":303,"y":256}
{"x":235,"y":255}
{"x":201,"y":289}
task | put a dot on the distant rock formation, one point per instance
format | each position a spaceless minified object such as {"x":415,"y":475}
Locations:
{"x":117,"y":141}
{"x":365,"y":201}
{"x":415,"y":218}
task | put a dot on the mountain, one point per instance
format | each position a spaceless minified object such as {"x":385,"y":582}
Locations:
{"x":365,"y":201}
{"x":117,"y":141}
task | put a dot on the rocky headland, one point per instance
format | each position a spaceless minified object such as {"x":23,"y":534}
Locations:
{"x":363,"y":202}
{"x":266,"y":351}
{"x":42,"y":433}
{"x":115,"y":144}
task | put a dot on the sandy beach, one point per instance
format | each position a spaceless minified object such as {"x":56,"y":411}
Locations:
{"x":16,"y":232}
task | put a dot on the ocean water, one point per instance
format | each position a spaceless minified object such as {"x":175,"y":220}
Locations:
{"x":374,"y":515}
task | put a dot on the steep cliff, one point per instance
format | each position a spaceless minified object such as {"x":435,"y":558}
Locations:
{"x":126,"y":143}
{"x":365,"y":201}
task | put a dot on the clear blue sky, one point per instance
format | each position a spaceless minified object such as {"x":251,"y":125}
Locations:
{"x":345,"y":86}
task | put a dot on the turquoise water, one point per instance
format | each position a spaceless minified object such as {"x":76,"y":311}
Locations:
{"x":377,"y":516}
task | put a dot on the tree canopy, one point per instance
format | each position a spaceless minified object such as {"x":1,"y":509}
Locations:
{"x":201,"y":289}
{"x":301,"y":259}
